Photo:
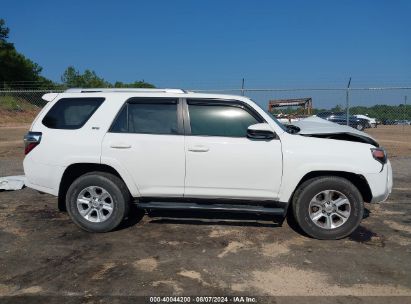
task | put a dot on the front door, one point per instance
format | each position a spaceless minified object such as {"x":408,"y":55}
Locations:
{"x":221,"y":162}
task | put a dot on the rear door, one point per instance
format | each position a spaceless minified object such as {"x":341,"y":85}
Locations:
{"x":221,"y":162}
{"x":147,"y":140}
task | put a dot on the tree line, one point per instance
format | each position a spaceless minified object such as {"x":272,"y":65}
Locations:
{"x":16,"y":71}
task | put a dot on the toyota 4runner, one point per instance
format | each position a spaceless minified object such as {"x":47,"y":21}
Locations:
{"x":101,"y":150}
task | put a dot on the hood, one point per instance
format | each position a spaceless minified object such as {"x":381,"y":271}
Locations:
{"x":318,"y":127}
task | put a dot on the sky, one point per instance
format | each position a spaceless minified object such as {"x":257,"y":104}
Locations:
{"x":214,"y":44}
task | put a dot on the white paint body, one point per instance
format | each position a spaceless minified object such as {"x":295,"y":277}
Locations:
{"x":372,"y":121}
{"x":195,"y":166}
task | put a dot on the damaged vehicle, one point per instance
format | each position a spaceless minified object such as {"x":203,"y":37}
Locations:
{"x":101,"y":151}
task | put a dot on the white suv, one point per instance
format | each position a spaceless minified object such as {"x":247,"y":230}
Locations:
{"x":100,"y":150}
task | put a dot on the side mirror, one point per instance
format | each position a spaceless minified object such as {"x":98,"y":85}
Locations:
{"x":261,"y":131}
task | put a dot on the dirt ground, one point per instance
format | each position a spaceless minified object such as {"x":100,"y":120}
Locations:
{"x":396,"y":139}
{"x":42,"y":253}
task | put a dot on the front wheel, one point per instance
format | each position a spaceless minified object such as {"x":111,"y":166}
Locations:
{"x":328,"y":207}
{"x":360,"y":127}
{"x":97,"y":201}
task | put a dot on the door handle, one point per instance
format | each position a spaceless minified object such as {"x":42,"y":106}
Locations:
{"x":120,"y":146}
{"x":198,"y":148}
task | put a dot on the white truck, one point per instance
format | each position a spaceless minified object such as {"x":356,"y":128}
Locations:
{"x":101,"y":150}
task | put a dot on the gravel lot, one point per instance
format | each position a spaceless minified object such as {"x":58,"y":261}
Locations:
{"x":43,"y":253}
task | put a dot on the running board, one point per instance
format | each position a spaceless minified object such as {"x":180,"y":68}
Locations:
{"x":211,"y":207}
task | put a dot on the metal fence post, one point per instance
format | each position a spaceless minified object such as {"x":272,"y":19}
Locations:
{"x":405,"y":113}
{"x":347,"y":102}
{"x":242,"y":87}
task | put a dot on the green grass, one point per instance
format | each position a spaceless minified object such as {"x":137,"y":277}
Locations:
{"x":11,"y":103}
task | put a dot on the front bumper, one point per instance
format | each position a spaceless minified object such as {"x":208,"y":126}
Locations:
{"x":381,"y":183}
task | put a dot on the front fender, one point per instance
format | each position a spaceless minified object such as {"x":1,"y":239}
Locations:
{"x":303,"y":155}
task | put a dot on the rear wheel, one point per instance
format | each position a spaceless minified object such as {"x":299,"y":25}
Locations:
{"x":328,"y":207}
{"x":97,"y":201}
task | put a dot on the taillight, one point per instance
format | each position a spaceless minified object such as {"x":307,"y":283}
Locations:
{"x":379,"y":154}
{"x":31,"y":140}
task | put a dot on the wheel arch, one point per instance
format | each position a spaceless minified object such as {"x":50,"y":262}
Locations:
{"x":74,"y":171}
{"x":358,"y":181}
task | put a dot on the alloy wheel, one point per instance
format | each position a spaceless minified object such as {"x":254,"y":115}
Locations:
{"x":329,"y":209}
{"x":95,"y":204}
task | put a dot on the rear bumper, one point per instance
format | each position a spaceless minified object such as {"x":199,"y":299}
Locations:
{"x":41,"y":188}
{"x":381,"y":183}
{"x":42,"y":177}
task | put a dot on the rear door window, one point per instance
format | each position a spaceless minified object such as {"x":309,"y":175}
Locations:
{"x":148,"y":116}
{"x":71,"y":113}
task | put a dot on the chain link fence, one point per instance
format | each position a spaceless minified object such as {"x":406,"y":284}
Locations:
{"x":385,"y":108}
{"x":388,"y":107}
{"x":388,"y":103}
{"x":19,"y":100}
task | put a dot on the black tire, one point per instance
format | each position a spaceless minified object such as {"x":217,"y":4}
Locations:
{"x":114,"y":186}
{"x":305,"y":193}
{"x":360,"y":127}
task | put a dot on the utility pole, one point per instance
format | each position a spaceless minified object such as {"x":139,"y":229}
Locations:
{"x":347,"y":102}
{"x":242,"y":87}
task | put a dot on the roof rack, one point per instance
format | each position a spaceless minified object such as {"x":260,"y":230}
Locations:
{"x":125,"y":90}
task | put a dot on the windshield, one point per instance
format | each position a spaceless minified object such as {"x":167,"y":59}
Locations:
{"x":277,"y":122}
{"x":284,"y":128}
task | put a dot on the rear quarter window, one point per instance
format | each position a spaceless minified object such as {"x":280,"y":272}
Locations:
{"x":71,"y":113}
